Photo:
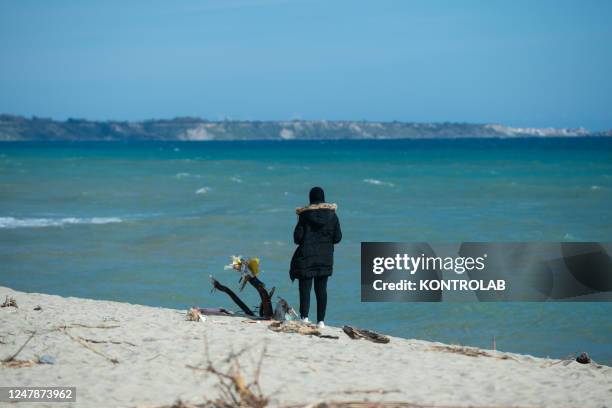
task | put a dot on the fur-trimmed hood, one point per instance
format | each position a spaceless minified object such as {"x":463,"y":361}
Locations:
{"x":320,"y":206}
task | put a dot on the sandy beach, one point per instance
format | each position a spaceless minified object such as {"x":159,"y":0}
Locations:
{"x":124,"y":355}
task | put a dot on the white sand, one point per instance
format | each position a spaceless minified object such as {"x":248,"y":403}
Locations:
{"x":296,"y":368}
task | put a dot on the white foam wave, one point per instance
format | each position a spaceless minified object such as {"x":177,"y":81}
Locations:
{"x":236,"y":179}
{"x":275,"y":243}
{"x":378,"y":182}
{"x":203,"y":190}
{"x":184,"y":175}
{"x":11,"y":222}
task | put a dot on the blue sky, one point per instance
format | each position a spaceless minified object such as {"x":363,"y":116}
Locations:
{"x":521,"y":63}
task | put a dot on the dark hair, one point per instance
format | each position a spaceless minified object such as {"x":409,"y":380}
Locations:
{"x":316,"y":195}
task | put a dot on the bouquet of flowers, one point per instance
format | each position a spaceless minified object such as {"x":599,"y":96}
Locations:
{"x":247,"y":267}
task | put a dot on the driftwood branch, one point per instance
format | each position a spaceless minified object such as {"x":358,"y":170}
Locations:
{"x":232,"y":295}
{"x":265,"y":306}
{"x":357,"y":334}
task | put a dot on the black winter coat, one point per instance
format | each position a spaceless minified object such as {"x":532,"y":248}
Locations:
{"x":316,"y":232}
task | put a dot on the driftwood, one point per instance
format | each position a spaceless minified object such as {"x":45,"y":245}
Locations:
{"x":370,"y":335}
{"x":231,"y":294}
{"x":290,"y":326}
{"x":265,"y":307}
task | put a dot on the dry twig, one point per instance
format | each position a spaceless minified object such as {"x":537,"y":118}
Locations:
{"x":12,"y":362}
{"x":11,"y":358}
{"x":106,"y":341}
{"x":234,"y":389}
{"x":86,"y":326}
{"x":87,"y":346}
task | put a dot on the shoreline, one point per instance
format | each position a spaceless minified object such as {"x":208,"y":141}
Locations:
{"x":125,"y":355}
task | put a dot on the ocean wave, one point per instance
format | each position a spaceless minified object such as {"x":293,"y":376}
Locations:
{"x":11,"y":222}
{"x":275,"y":210}
{"x":183,"y":175}
{"x":236,"y":179}
{"x":203,"y":190}
{"x":275,"y":243}
{"x":378,"y":182}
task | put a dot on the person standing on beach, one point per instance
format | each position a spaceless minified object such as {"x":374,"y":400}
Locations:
{"x":316,"y":233}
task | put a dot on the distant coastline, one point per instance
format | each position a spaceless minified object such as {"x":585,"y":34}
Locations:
{"x":20,"y":128}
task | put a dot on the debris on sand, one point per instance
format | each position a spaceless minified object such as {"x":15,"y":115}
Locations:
{"x":583,"y":358}
{"x":370,"y":335}
{"x":284,"y":311}
{"x":46,"y":359}
{"x":19,"y":363}
{"x":234,"y":388}
{"x":194,"y":315}
{"x":12,"y":361}
{"x":291,"y":326}
{"x":9,"y":302}
{"x":470,"y":352}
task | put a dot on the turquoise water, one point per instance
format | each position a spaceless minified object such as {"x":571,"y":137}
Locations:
{"x":149,"y":222}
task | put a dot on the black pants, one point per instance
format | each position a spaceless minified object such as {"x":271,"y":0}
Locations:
{"x":320,"y":286}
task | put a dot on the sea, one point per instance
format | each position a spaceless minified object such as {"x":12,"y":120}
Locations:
{"x":150,"y":222}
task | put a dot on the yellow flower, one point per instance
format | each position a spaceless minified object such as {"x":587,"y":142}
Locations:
{"x":236,"y":264}
{"x":253,"y":264}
